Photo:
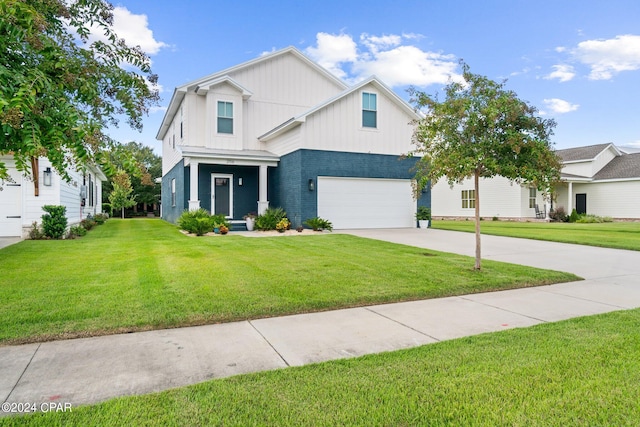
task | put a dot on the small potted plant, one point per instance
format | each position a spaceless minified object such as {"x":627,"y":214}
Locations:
{"x":250,"y":219}
{"x":224,"y":229}
{"x":423,"y":216}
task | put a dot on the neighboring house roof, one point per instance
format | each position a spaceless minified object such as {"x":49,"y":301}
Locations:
{"x":622,"y":167}
{"x":296,"y":121}
{"x":577,"y":154}
{"x":180,"y":91}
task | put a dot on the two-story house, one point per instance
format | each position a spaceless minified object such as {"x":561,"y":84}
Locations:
{"x":282,"y":131}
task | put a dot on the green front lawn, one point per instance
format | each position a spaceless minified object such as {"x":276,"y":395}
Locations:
{"x":141,"y":274}
{"x":579,"y":372}
{"x":620,"y":235}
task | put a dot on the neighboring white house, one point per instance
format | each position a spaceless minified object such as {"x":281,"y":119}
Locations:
{"x":280,"y":130}
{"x":597,"y":179}
{"x":20,"y":207}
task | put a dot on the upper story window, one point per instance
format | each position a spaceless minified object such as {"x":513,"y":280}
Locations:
{"x":225,"y":117}
{"x":181,"y":121}
{"x":369,"y":110}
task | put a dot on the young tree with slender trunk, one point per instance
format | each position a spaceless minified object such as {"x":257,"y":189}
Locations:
{"x":482,"y":130}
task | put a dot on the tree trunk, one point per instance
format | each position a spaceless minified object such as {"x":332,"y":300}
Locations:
{"x":122,"y":215}
{"x":476,"y":185}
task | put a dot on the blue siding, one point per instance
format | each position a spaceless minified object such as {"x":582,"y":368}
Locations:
{"x":291,"y":178}
{"x":245,"y":196}
{"x":171,"y":213}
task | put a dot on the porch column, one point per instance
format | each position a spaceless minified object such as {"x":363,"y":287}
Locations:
{"x":263,"y":203}
{"x":194,"y":202}
{"x":570,"y":198}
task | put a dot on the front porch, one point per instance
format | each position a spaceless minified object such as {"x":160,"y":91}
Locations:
{"x":232,"y":183}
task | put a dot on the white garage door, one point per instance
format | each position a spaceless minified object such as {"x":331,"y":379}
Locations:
{"x":366,"y":202}
{"x":11,"y":206}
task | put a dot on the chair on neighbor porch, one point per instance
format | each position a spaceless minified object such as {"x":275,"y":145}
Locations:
{"x":539,"y":213}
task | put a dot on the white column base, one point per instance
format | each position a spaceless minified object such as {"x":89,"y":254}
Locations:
{"x":262,"y":206}
{"x":194,"y":205}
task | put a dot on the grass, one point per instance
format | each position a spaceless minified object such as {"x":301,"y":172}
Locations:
{"x":132,"y":275}
{"x":619,"y":235}
{"x":582,"y":371}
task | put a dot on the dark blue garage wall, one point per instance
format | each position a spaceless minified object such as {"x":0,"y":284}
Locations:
{"x":171,"y":213}
{"x":245,"y":196}
{"x":290,"y":180}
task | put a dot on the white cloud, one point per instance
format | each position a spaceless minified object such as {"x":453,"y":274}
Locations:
{"x":135,"y":31}
{"x":332,"y":51}
{"x":385,"y":56}
{"x":564,"y":73}
{"x":609,"y":57}
{"x":559,"y":106}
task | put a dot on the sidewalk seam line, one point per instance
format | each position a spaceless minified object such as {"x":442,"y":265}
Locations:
{"x":268,"y":342}
{"x":402,"y":324}
{"x":503,"y":309}
{"x":22,"y":374}
{"x":585,"y":299}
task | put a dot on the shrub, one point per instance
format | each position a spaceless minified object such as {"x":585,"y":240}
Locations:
{"x":77,"y":231}
{"x":423,"y":213}
{"x":36,"y":232}
{"x":54,"y":222}
{"x":88,"y":224}
{"x":574,"y":216}
{"x":558,"y":215}
{"x":197,"y":221}
{"x":270,"y":218}
{"x":495,"y":218}
{"x":592,"y":219}
{"x":283,"y":225}
{"x":100,"y":218}
{"x":318,"y":223}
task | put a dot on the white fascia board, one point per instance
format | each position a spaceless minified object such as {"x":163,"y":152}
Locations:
{"x":172,"y":109}
{"x":616,"y":180}
{"x":262,"y":58}
{"x":204,"y":87}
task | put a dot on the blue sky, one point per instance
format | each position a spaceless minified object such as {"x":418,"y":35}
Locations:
{"x":576,"y":61}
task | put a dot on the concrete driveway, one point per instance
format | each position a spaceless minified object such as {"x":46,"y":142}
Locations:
{"x":89,"y":370}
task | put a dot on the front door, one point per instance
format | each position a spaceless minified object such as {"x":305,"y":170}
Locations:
{"x":581,"y":203}
{"x":222,"y":194}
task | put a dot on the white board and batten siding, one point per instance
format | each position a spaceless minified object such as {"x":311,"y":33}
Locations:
{"x":11,"y":202}
{"x":366,"y":202}
{"x":498,"y":197}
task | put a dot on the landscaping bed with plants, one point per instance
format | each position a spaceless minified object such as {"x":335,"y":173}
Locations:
{"x":140,"y":274}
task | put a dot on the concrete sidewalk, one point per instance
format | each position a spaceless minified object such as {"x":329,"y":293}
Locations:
{"x":90,"y":370}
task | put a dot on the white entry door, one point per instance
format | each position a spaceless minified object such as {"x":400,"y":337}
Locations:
{"x":11,"y":205}
{"x":222,"y":194}
{"x":366,"y":202}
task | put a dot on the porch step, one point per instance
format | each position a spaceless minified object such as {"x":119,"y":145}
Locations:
{"x":238,"y":224}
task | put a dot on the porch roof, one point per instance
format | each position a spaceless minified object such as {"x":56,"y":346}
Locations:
{"x":229,"y":157}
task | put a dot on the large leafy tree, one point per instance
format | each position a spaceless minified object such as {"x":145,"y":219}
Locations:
{"x":482,"y":130}
{"x":120,"y":196}
{"x":60,"y":86}
{"x":137,"y":157}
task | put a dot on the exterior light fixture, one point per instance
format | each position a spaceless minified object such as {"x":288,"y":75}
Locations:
{"x":46,"y":177}
{"x":312,"y":185}
{"x":240,"y":181}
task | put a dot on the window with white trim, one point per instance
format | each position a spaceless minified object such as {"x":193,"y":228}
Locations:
{"x":225,"y":117}
{"x":468,"y":199}
{"x":369,"y":110}
{"x":173,"y":192}
{"x":532,"y":197}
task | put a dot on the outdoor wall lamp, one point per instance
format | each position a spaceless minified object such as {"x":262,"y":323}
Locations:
{"x":46,"y":177}
{"x":312,"y":185}
{"x":240,"y":182}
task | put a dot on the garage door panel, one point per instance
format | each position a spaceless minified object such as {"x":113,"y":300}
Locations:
{"x":11,"y":205}
{"x":366,"y":202}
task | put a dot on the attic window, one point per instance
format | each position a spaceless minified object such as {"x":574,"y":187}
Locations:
{"x":225,"y":117}
{"x":369,"y":110}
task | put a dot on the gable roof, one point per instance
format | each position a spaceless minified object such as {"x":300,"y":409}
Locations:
{"x":298,"y":120}
{"x":180,"y":91}
{"x":622,"y":167}
{"x":579,"y":154}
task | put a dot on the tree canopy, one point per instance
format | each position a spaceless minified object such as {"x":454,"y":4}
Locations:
{"x":482,"y":130}
{"x":64,"y":77}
